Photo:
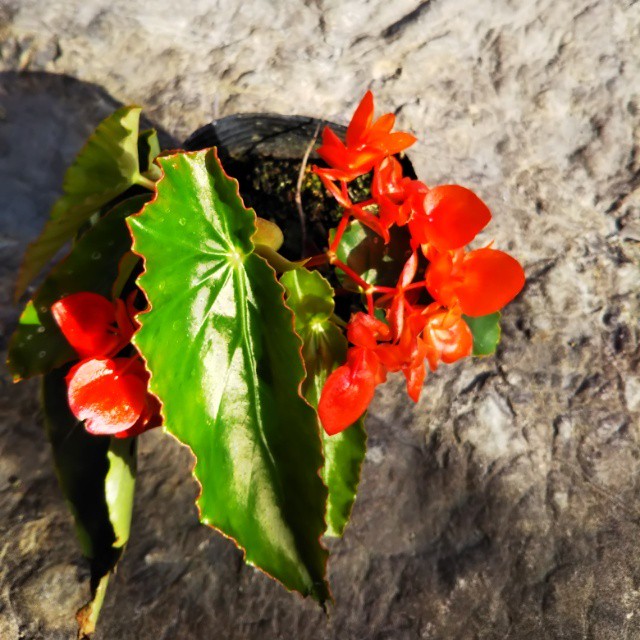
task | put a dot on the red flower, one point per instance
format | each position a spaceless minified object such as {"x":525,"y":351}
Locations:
{"x":441,"y":221}
{"x":447,"y":338}
{"x":348,"y":391}
{"x":400,"y":304}
{"x":93,"y":325}
{"x":397,"y":196}
{"x":109,"y":394}
{"x":367,"y":142}
{"x":479,"y":282}
{"x":448,"y":217}
{"x":365,"y":331}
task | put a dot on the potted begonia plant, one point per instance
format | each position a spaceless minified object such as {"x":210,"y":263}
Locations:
{"x":256,"y":338}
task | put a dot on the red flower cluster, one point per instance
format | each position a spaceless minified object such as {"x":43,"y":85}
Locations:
{"x":109,"y":393}
{"x":441,"y":220}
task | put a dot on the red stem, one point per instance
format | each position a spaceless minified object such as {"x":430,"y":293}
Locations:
{"x":363,"y":284}
{"x":342,"y":227}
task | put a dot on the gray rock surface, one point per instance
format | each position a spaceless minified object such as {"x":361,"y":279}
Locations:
{"x":507,"y":503}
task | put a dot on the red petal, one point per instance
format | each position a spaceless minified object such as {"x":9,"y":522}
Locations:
{"x":448,"y":338}
{"x":109,"y":395}
{"x":440,"y":282}
{"x":386,"y":178}
{"x":333,"y":189}
{"x":381,"y":127}
{"x":396,"y":314}
{"x":364,"y":330}
{"x":391,"y":356}
{"x":331,"y":139}
{"x":372,"y":221}
{"x":87,"y":321}
{"x":334,"y":156}
{"x":349,"y":164}
{"x":360,"y":121}
{"x":348,"y":391}
{"x":490,"y":280}
{"x":394,"y":143}
{"x":389,"y":212}
{"x":409,"y":271}
{"x":453,"y":216}
{"x":364,"y":160}
{"x":150,"y":419}
{"x":415,"y":376}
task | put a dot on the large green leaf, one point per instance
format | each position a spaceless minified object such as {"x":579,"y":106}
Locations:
{"x":226,"y":365}
{"x":486,"y":333}
{"x":105,"y":168}
{"x":38,"y":346}
{"x":97,"y":478}
{"x":310,"y":297}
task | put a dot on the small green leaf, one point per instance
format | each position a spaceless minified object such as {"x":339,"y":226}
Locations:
{"x":365,"y":252}
{"x":267,"y":233}
{"x":310,"y":296}
{"x":97,"y":478}
{"x":226,"y":365}
{"x":37,"y":345}
{"x":486,"y":333}
{"x":104,"y":169}
{"x":343,"y":457}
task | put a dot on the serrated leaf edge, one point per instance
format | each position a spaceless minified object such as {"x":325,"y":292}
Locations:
{"x":299,"y":391}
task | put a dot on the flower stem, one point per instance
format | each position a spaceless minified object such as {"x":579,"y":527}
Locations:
{"x":363,"y":284}
{"x":342,"y":226}
{"x":146,"y":183}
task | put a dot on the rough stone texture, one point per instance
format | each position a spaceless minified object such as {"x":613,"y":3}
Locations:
{"x":506,"y":504}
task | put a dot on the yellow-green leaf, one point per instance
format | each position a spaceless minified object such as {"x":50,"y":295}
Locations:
{"x":105,"y":168}
{"x":310,"y":296}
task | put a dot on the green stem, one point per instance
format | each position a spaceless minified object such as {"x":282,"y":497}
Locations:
{"x":87,"y":617}
{"x":145,"y":182}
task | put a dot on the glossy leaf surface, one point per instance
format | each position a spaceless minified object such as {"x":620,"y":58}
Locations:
{"x":97,"y":478}
{"x":226,"y":365}
{"x":486,"y":333}
{"x":310,"y":297}
{"x":37,"y":345}
{"x":105,"y":168}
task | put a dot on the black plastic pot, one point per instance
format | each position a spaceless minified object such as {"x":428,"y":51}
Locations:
{"x":264,"y":152}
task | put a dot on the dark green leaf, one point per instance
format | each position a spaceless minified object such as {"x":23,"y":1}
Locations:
{"x":226,"y":364}
{"x":310,"y":297}
{"x":486,"y":333}
{"x":97,"y":477}
{"x":365,"y":252}
{"x":105,"y":168}
{"x":38,"y":346}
